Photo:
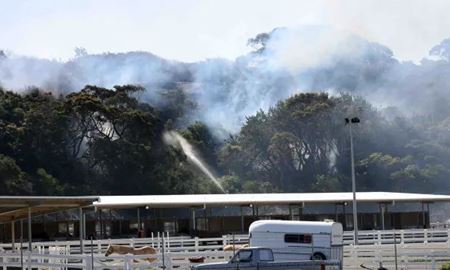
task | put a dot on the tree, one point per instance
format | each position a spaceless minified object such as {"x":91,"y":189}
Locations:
{"x":13,"y":181}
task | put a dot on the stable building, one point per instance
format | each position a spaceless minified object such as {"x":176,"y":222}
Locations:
{"x":203,"y":214}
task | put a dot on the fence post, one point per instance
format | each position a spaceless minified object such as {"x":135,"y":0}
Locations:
{"x":224,"y":240}
{"x":353,"y":254}
{"x":448,"y":236}
{"x":92,"y":253}
{"x":379,"y":238}
{"x":168,"y":242}
{"x":425,"y":236}
{"x":196,"y":243}
{"x":87,"y":262}
{"x":168,"y":263}
{"x":163,"y":253}
{"x":153,"y":240}
{"x":159,"y":240}
{"x":29,"y":260}
{"x":126,"y":262}
{"x":402,"y":237}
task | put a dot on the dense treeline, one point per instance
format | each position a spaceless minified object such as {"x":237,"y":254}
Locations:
{"x":302,"y":144}
{"x":96,"y":141}
{"x":102,"y":141}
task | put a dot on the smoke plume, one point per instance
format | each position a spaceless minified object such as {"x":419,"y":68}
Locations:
{"x":284,"y":62}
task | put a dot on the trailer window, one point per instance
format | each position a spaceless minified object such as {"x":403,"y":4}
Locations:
{"x":298,"y":238}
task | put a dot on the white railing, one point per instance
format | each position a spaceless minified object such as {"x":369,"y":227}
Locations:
{"x":409,"y":256}
{"x":185,"y":243}
{"x":171,"y":244}
{"x":403,"y":236}
{"x":97,"y":261}
{"x":130,"y":262}
{"x":416,"y":248}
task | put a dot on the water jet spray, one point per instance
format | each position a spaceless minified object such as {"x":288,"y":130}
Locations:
{"x":175,"y":139}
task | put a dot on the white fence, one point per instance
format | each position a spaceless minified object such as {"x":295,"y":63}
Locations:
{"x":30,"y":260}
{"x":179,"y":243}
{"x":133,"y":262}
{"x":416,"y":249}
{"x":402,"y":236}
{"x":406,"y":256}
{"x":171,"y":244}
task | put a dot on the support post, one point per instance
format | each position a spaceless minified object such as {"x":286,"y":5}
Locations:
{"x":193,"y":225}
{"x":382,"y":210}
{"x":336,"y":213}
{"x":21,"y":244}
{"x":242,"y":220}
{"x":84,"y":225}
{"x":13,"y":235}
{"x":205,"y":218}
{"x":423,"y":216}
{"x":291,"y":217}
{"x":80,"y":211}
{"x":139,"y":219}
{"x":354,"y":203}
{"x":30,"y":234}
{"x":100,"y":220}
{"x":427,"y":218}
{"x":344,"y":214}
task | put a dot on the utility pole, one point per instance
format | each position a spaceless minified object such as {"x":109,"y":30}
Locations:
{"x":349,"y":122}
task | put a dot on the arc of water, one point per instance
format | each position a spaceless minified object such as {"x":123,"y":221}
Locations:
{"x":174,"y":138}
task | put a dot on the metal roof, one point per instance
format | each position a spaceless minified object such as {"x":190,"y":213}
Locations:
{"x":217,"y":200}
{"x":17,"y":207}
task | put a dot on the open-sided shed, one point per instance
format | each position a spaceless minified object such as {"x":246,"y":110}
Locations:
{"x":20,"y":208}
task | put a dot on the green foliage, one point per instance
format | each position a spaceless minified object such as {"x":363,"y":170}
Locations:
{"x":12,"y":179}
{"x":326,"y":183}
{"x":302,"y":144}
{"x":446,"y":266}
{"x":105,"y":141}
{"x":48,"y":184}
{"x":233,"y":184}
{"x":95,"y":141}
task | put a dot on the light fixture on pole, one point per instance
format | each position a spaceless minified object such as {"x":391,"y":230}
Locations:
{"x":349,"y":122}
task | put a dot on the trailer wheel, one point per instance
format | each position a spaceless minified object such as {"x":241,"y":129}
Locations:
{"x":318,"y":256}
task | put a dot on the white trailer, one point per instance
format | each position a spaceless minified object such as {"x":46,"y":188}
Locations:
{"x":298,"y":240}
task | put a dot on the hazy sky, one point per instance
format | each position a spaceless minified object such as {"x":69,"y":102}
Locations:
{"x":191,"y":30}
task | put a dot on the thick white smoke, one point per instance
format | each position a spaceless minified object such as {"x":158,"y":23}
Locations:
{"x":313,"y":58}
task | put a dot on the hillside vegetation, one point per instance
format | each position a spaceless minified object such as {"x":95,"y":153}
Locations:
{"x":106,"y":141}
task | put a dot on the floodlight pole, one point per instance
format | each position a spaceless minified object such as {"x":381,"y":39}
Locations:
{"x":355,"y":211}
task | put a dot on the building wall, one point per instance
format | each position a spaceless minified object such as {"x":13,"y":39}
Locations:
{"x":206,"y":225}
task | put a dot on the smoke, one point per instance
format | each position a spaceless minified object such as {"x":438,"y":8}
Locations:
{"x":285,"y":62}
{"x":104,"y":70}
{"x":318,"y":58}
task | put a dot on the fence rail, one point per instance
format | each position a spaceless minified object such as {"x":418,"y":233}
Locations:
{"x":416,"y":249}
{"x":404,"y":236}
{"x":407,"y":256}
{"x":131,"y":262}
{"x":181,"y":243}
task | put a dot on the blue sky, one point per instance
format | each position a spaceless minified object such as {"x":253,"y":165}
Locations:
{"x":191,"y":30}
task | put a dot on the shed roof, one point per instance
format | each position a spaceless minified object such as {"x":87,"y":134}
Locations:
{"x":217,"y":200}
{"x":17,"y":207}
